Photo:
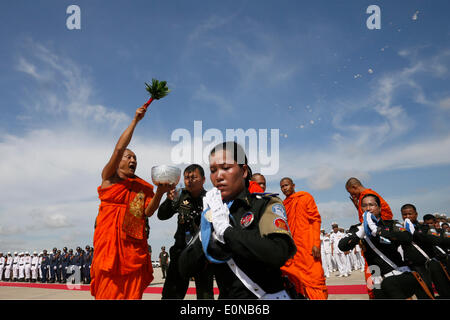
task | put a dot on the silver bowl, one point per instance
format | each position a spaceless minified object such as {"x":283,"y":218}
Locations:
{"x":166,"y":174}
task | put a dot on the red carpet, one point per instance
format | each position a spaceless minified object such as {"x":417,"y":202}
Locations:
{"x":348,"y":289}
{"x":342,"y":289}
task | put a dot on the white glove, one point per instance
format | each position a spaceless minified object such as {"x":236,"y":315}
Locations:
{"x":409,"y":226}
{"x":360,"y":233}
{"x":220,"y":212}
{"x":214,"y":199}
{"x":372,"y":226}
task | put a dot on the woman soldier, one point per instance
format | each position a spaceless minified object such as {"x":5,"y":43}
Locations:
{"x":245,"y":236}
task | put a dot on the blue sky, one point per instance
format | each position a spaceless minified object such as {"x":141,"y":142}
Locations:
{"x":348,"y":101}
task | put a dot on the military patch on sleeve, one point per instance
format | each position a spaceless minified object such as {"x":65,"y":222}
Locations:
{"x":279,"y":210}
{"x":433,"y":232}
{"x":247,"y":219}
{"x":273,"y":219}
{"x":281,"y":224}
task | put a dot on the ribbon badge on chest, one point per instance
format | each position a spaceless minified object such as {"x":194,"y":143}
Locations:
{"x":247,"y":219}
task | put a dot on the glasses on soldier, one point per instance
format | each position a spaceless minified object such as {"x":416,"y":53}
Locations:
{"x":369,"y":204}
{"x":191,"y":178}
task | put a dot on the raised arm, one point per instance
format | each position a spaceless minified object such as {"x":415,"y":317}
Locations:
{"x":111,"y":167}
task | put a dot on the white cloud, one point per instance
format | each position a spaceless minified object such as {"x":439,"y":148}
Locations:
{"x":445,"y":103}
{"x":211,"y":23}
{"x":268,"y":65}
{"x":62,"y":87}
{"x":324,"y":168}
{"x":50,"y":174}
{"x":216,"y":100}
{"x":8,"y":230}
{"x":382,"y":140}
{"x":386,"y":99}
{"x":258,"y":62}
{"x":28,"y":68}
{"x":56,"y":220}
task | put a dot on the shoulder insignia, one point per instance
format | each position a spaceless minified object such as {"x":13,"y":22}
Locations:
{"x":281,"y":224}
{"x":273,"y":219}
{"x":264,"y":194}
{"x":279,"y":210}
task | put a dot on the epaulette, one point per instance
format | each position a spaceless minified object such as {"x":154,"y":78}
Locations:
{"x":264,"y":194}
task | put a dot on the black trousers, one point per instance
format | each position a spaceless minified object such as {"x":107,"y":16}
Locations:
{"x":426,"y":276}
{"x":64,"y":273}
{"x":176,"y":286}
{"x":402,"y":286}
{"x":439,"y":278}
{"x":87,"y":274}
{"x":164,"y":269}
{"x":44,"y":271}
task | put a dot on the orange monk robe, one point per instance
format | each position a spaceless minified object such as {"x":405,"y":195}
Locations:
{"x":121,"y":266}
{"x":304,"y":222}
{"x":254,"y":187}
{"x":386,"y":213}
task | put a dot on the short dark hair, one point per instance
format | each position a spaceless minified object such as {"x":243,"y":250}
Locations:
{"x":377,"y":200}
{"x":408,"y":205}
{"x":193,"y":167}
{"x":238,"y":153}
{"x":429,"y":217}
{"x":233,"y":147}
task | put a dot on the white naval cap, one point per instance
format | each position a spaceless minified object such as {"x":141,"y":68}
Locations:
{"x":15,"y":252}
{"x":34,"y":252}
{"x":27,"y":253}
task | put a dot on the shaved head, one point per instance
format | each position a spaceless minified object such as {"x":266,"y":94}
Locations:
{"x":287,"y":178}
{"x":287,"y":186}
{"x":259,"y":179}
{"x":353,"y":182}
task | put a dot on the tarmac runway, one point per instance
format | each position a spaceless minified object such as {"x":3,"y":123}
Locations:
{"x":345,"y":288}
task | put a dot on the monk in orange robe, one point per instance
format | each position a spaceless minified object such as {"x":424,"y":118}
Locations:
{"x":254,"y":187}
{"x":121,"y":266}
{"x":305,"y":269}
{"x":357,"y":191}
{"x":259,"y":179}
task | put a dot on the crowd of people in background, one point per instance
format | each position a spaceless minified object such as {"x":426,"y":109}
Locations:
{"x":57,"y":267}
{"x":335,"y":253}
{"x":334,"y":260}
